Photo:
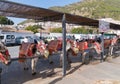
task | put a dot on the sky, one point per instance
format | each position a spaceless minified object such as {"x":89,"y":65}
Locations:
{"x":41,"y":3}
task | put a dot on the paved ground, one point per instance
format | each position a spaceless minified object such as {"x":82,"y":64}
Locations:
{"x":94,"y":73}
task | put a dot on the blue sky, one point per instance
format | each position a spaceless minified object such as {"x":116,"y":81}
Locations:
{"x":43,"y":4}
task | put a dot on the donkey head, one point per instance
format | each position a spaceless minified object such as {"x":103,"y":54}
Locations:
{"x":5,"y":57}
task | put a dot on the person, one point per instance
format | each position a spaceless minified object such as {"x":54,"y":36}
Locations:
{"x":85,"y":47}
{"x":35,"y":41}
{"x":99,"y":40}
{"x":73,"y":37}
{"x":85,"y":44}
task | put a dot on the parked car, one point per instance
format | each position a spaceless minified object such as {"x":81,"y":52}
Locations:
{"x":7,"y":39}
{"x":19,"y":40}
{"x":48,"y":39}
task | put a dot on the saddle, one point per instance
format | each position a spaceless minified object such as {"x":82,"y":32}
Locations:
{"x":54,"y":46}
{"x":107,"y":43}
{"x":80,"y":46}
{"x":26,"y":49}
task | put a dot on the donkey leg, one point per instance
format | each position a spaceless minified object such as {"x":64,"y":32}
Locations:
{"x":69,"y":52}
{"x":33,"y":65}
{"x":25,"y":65}
{"x":61,"y":60}
{"x":61,"y":57}
{"x":111,"y":50}
{"x":50,"y":59}
{"x":85,"y":58}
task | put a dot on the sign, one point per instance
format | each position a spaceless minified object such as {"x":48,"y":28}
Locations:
{"x":104,"y":26}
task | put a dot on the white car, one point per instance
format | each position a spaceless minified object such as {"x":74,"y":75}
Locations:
{"x":50,"y":38}
{"x":7,"y":39}
{"x":28,"y":39}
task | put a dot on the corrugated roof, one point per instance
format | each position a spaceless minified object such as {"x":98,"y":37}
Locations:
{"x":12,"y":9}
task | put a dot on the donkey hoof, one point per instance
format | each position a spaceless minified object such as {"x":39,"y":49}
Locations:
{"x":60,"y":66}
{"x":26,"y":68}
{"x":70,"y":61}
{"x":34,"y":73}
{"x":51,"y":62}
{"x":8,"y":63}
{"x":0,"y":70}
{"x":68,"y":67}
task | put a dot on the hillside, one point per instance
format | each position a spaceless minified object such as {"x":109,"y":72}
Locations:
{"x":26,"y":21}
{"x":95,"y":9}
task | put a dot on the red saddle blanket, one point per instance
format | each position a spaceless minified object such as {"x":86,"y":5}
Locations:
{"x":25,"y":50}
{"x":54,"y":46}
{"x":4,"y":56}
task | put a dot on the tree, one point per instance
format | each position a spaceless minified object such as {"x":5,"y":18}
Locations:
{"x":34,"y":28}
{"x":56,"y":30}
{"x":90,"y":31}
{"x":81,"y":30}
{"x":78,"y":30}
{"x":5,"y":21}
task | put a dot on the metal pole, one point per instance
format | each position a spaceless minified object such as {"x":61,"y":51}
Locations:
{"x":64,"y":44}
{"x":102,"y":44}
{"x":40,"y":34}
{"x":0,"y":74}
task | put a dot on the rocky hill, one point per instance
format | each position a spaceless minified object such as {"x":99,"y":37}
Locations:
{"x":26,"y":21}
{"x":95,"y":9}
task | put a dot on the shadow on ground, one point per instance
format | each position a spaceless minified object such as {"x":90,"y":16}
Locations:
{"x":14,"y":74}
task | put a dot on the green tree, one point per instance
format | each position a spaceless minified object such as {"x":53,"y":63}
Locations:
{"x":56,"y":30}
{"x":5,"y":21}
{"x":77,"y":30}
{"x":81,"y":30}
{"x":90,"y":31}
{"x":34,"y":28}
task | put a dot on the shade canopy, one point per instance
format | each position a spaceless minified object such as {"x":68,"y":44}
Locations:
{"x":12,"y":9}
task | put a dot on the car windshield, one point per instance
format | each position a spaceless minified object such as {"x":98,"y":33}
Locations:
{"x":20,"y":37}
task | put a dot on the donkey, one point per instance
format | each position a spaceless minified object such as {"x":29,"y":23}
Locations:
{"x":109,"y":45}
{"x":53,"y":47}
{"x":28,"y":50}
